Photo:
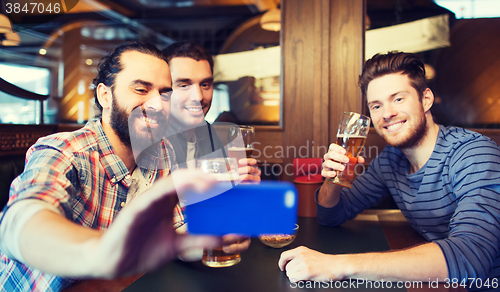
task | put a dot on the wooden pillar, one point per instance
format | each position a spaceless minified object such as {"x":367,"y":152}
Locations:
{"x":346,"y":59}
{"x":74,"y":104}
{"x":322,"y":50}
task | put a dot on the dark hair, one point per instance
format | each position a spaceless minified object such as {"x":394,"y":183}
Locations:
{"x":394,"y":62}
{"x":110,"y":65}
{"x":189,"y":50}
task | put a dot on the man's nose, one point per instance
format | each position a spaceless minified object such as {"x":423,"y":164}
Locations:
{"x":389,"y":112}
{"x":154,"y":104}
{"x":195,"y":93}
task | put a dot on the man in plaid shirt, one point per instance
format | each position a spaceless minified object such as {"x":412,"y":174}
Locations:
{"x":64,"y":219}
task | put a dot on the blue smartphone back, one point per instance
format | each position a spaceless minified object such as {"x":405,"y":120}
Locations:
{"x":246,"y":209}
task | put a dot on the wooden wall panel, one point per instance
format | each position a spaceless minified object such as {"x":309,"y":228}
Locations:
{"x":71,"y":54}
{"x":16,"y":139}
{"x":320,"y":124}
{"x":347,"y":55}
{"x":322,"y":51}
{"x":467,"y":81}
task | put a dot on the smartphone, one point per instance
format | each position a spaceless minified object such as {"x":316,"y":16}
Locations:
{"x":245,"y":209}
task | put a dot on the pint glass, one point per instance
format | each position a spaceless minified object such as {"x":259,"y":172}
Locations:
{"x":223,"y":170}
{"x":351,"y":135}
{"x":241,"y":139}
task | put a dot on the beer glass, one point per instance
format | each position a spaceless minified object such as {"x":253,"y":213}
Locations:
{"x":240,"y":139}
{"x":352,"y":132}
{"x":223,"y":170}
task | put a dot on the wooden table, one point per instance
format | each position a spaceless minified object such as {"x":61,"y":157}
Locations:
{"x":372,"y":230}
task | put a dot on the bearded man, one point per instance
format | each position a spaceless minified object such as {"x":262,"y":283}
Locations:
{"x":445,"y":180}
{"x":98,"y":202}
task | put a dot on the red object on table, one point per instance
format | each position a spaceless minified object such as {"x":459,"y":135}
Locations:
{"x":308,"y":179}
{"x":307,"y":169}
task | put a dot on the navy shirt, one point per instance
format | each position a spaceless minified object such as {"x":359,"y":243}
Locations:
{"x":453,"y":200}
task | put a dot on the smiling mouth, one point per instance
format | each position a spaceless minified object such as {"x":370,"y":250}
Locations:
{"x":194,"y":109}
{"x":149,"y":121}
{"x":395,"y":126}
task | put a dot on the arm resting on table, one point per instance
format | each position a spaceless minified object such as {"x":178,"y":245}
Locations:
{"x":417,"y":263}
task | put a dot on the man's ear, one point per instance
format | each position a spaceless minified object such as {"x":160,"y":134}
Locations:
{"x":104,"y":95}
{"x":427,"y":99}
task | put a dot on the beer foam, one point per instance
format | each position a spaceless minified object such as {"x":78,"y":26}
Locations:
{"x":242,"y":149}
{"x":350,"y":136}
{"x":225,"y":176}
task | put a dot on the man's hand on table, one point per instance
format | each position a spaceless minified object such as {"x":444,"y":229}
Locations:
{"x":417,"y":263}
{"x":303,"y":263}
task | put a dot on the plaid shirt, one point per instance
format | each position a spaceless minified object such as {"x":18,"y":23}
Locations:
{"x":80,"y":174}
{"x":179,"y":216}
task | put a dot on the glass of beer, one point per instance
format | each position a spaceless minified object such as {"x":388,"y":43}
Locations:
{"x":351,"y":135}
{"x":223,"y":170}
{"x":240,"y":139}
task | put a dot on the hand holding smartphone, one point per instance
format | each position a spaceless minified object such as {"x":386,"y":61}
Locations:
{"x":246,"y":209}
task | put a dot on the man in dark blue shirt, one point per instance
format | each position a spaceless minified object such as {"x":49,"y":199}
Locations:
{"x":445,"y":180}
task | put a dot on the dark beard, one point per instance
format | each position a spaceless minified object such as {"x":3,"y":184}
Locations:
{"x":417,"y":135}
{"x":119,"y":122}
{"x":129,"y":134}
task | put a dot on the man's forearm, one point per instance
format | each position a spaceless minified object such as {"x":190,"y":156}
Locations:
{"x":329,"y":195}
{"x":419,"y":263}
{"x":53,"y":244}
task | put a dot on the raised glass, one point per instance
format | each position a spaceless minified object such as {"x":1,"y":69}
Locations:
{"x":351,"y":135}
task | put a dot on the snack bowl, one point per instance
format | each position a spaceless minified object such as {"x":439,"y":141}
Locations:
{"x":279,"y":240}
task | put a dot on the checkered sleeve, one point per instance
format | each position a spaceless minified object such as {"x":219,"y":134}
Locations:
{"x":179,"y":216}
{"x":48,"y":176}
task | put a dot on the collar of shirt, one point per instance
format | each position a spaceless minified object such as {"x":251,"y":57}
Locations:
{"x":178,"y":130}
{"x":114,"y":167}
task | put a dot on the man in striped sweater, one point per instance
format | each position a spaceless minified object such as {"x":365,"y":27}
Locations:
{"x":445,"y":180}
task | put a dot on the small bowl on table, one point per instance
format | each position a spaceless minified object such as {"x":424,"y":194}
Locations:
{"x":279,"y":240}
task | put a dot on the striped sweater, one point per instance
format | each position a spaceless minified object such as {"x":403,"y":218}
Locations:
{"x":453,"y":200}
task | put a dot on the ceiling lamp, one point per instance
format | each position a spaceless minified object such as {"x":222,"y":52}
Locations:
{"x":271,"y":20}
{"x":5,"y":26}
{"x":10,"y":39}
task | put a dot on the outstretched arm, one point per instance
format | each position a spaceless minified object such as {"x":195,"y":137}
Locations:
{"x":140,"y":239}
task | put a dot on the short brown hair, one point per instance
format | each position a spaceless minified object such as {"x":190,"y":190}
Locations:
{"x":188,"y":50}
{"x":110,"y":65}
{"x":394,"y":62}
